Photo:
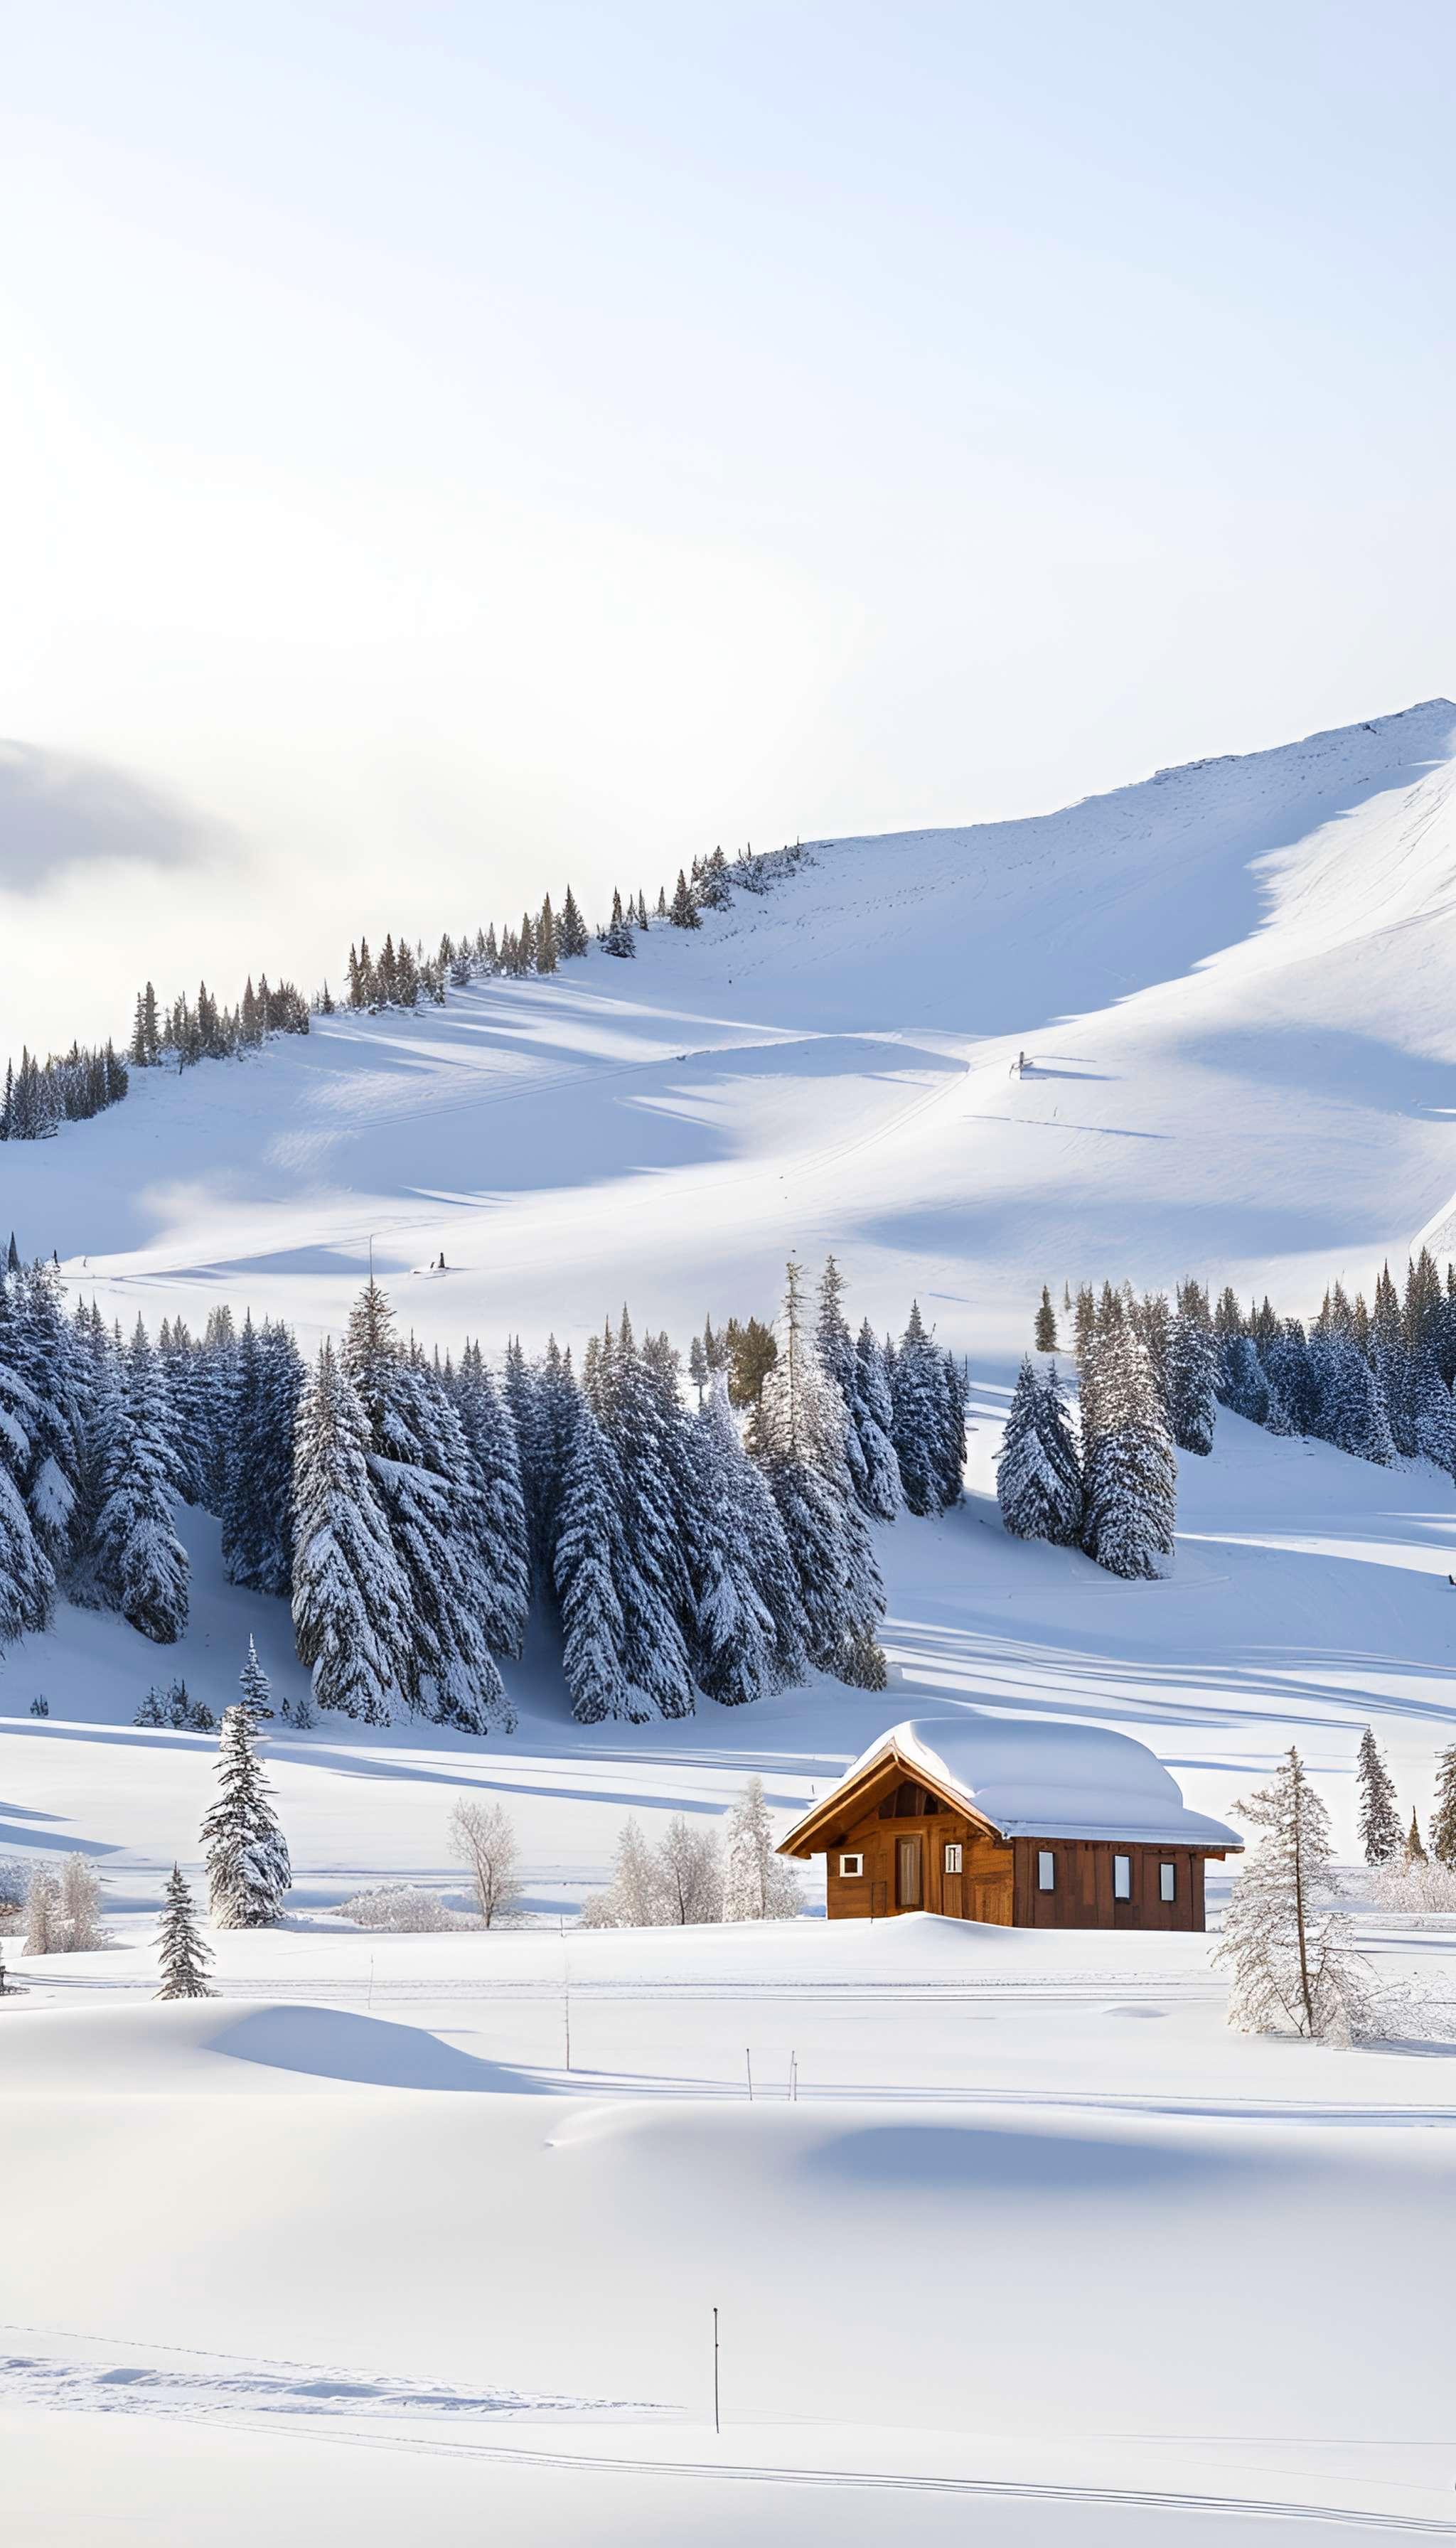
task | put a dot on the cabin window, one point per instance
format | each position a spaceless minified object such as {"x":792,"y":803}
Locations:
{"x":852,"y":1862}
{"x":1167,"y":1881}
{"x":952,"y":1858}
{"x":1046,"y":1871}
{"x":1121,"y":1880}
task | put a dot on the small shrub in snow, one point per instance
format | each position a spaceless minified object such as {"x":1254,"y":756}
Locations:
{"x":174,"y":1708}
{"x":1426,"y":1885}
{"x":403,"y":1908}
{"x":483,"y":1838}
{"x":40,"y":1706}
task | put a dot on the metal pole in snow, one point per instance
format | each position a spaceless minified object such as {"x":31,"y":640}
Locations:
{"x":717,"y":2424}
{"x":747,"y":2063}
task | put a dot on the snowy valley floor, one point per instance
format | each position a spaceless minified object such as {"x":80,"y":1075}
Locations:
{"x":1040,"y":2252}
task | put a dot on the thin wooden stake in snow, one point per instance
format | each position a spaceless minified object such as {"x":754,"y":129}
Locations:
{"x":717,"y":2426}
{"x":747,"y":2061}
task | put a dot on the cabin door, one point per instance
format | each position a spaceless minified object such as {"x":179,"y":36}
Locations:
{"x":909,"y":1873}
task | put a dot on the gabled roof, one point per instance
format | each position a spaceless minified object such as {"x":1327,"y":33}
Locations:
{"x":1028,"y":1779}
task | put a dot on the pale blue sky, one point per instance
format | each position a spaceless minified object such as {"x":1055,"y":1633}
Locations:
{"x":445,"y":449}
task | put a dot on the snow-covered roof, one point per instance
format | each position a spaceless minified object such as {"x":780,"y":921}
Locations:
{"x":1034,"y":1780}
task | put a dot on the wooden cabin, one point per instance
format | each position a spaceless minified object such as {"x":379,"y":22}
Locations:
{"x":1015,"y":1821}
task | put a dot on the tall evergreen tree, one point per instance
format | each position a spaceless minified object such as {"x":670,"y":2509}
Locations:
{"x":572,"y":937}
{"x":797,"y":1438}
{"x":652,"y":1581}
{"x":247,"y":1862}
{"x":503,"y":1542}
{"x":883,"y":1495}
{"x":1294,"y":1966}
{"x":184,"y":1957}
{"x":1045,"y":1332}
{"x":1038,"y":1475}
{"x":748,"y":1632}
{"x":257,"y":1695}
{"x":1193,"y":1372}
{"x":1443,"y":1819}
{"x":141,"y":1564}
{"x":1380,"y":1824}
{"x":350,"y":1596}
{"x":1128,"y":1466}
{"x":589,"y":1559}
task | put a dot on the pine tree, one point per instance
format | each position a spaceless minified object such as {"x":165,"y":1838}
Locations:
{"x":1193,"y":1372}
{"x":1038,"y":1485}
{"x":883,"y":1495}
{"x":758,"y":1884}
{"x":1443,"y":1820}
{"x":588,"y":1563}
{"x":141,"y":1565}
{"x":747,"y":1624}
{"x":1045,"y":1326}
{"x":499,"y":1514}
{"x":1414,"y":1849}
{"x":919,"y":1400}
{"x":1294,"y":1967}
{"x":26,"y":1577}
{"x":1128,"y":1466}
{"x":683,"y":912}
{"x":571,"y":938}
{"x":1380,"y":1825}
{"x":1434,"y":1412}
{"x":257,"y":1697}
{"x":350,"y":1597}
{"x":797,"y":1438}
{"x":637,"y":1423}
{"x":247,"y":1862}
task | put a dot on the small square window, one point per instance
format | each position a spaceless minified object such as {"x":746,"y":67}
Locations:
{"x":952,"y":1858}
{"x":1167,"y":1882}
{"x":853,"y":1863}
{"x":1046,"y":1871}
{"x":1121,"y":1880}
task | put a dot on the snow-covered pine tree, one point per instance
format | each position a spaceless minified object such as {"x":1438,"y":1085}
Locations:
{"x":1053,"y":1419}
{"x":572,"y":937}
{"x":1443,"y":1818}
{"x":1294,"y":1966}
{"x":1026,"y":1482}
{"x":218,"y":1377}
{"x":247,"y":1862}
{"x":26,"y":1577}
{"x":758,"y":1884}
{"x":1193,"y":1372}
{"x":257,"y":1498}
{"x":874,"y":1423}
{"x":682,"y":910}
{"x":1380,"y":1824}
{"x":1242,"y":1387}
{"x":141,"y":1564}
{"x":1434,"y":1412}
{"x":652,"y":1576}
{"x":588,"y":1563}
{"x":432,"y":1497}
{"x":38,"y":1345}
{"x":918,"y":1395}
{"x":350,"y":1596}
{"x":1129,"y":1469}
{"x":1414,"y":1852}
{"x":796,"y":1437}
{"x":1045,"y":1332}
{"x":837,"y":1353}
{"x":184,"y":1959}
{"x":257,"y":1694}
{"x":747,"y":1635}
{"x":504,"y":1539}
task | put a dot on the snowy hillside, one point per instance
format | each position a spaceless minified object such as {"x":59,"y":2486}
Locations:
{"x":1232,"y":980}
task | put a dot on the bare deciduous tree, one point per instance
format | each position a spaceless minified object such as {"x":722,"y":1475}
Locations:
{"x":483,"y":1838}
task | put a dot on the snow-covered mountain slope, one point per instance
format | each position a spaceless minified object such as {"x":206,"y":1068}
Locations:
{"x":1232,"y":982}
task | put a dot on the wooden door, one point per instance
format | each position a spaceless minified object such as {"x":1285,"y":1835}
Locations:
{"x":909,"y":1873}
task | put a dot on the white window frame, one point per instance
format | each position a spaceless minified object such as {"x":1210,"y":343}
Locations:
{"x":1168,"y":1880}
{"x":1045,"y":1870}
{"x":1122,"y":1876}
{"x":952,"y":1858}
{"x":852,"y":1862}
